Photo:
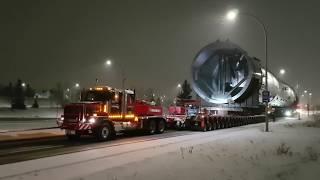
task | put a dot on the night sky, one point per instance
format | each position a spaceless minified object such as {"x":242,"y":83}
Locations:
{"x":45,"y":42}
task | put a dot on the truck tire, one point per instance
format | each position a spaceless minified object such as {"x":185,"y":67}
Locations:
{"x":161,"y":126}
{"x":104,"y":132}
{"x":152,"y":127}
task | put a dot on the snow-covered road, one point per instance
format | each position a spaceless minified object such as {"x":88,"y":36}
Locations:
{"x":246,"y":152}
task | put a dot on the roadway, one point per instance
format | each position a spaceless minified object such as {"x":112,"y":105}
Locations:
{"x":16,"y":151}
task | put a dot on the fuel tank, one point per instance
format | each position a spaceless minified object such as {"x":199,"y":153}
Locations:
{"x":222,"y":72}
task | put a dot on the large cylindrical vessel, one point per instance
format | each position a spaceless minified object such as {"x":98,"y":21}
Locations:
{"x":222,"y":72}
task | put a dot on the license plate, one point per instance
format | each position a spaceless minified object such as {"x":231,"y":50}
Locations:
{"x":73,"y":132}
{"x":196,"y":123}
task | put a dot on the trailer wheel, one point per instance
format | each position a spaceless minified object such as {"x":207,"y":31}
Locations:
{"x":222,"y":124}
{"x":209,"y":126}
{"x":104,"y":132}
{"x":214,"y":126}
{"x":152,"y":127}
{"x":229,"y":124}
{"x":161,"y":126}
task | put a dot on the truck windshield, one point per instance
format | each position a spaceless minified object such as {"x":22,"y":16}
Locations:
{"x":96,"y":96}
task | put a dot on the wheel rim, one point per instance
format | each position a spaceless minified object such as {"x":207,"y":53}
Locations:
{"x":104,"y":132}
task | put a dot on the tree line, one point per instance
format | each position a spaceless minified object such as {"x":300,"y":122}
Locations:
{"x":17,"y":92}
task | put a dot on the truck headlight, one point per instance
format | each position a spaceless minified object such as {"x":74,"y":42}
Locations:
{"x":92,"y":120}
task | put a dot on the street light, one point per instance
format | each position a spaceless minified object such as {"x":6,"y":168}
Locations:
{"x":309,"y":103}
{"x":179,"y":86}
{"x":282,"y":71}
{"x":109,"y":63}
{"x":231,"y":16}
{"x":305,"y":91}
{"x":23,"y":84}
{"x":77,"y":85}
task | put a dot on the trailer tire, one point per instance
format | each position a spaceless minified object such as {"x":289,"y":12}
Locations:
{"x":161,"y":126}
{"x":209,"y":126}
{"x":104,"y":132}
{"x":214,"y":125}
{"x":222,"y":125}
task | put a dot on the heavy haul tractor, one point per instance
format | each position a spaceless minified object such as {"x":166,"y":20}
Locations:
{"x":104,"y":111}
{"x":182,"y":112}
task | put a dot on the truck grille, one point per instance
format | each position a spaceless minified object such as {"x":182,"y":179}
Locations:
{"x":73,"y":113}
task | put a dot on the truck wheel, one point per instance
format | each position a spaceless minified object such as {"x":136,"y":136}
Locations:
{"x":219,"y":125}
{"x":104,"y":132}
{"x":152,"y":127}
{"x":161,"y":126}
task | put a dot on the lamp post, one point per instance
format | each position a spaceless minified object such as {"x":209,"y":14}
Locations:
{"x":108,"y":63}
{"x":231,"y":16}
{"x":309,"y":103}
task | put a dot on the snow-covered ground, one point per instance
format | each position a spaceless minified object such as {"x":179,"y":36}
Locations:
{"x":289,"y":151}
{"x":20,"y":125}
{"x":28,"y":119}
{"x":30,"y":113}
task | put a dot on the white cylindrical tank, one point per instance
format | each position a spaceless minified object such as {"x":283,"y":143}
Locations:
{"x":281,"y":94}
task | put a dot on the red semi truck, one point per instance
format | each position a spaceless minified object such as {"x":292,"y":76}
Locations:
{"x":104,"y":111}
